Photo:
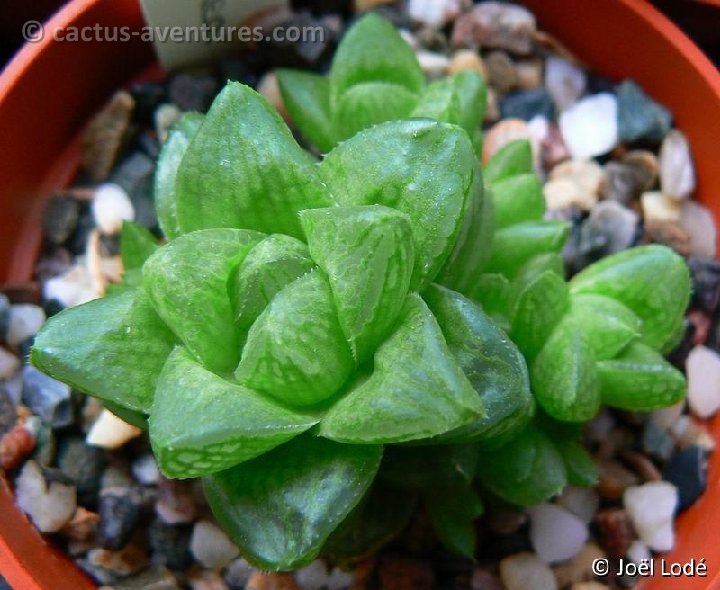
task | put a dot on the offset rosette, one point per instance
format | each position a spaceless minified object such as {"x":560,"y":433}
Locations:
{"x":292,"y":326}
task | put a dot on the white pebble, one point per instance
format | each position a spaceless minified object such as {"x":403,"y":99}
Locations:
{"x":700,"y":226}
{"x":563,"y":194}
{"x":433,"y":64}
{"x":71,"y":288}
{"x":677,"y":173}
{"x":110,"y":432}
{"x":555,"y":533}
{"x":651,"y":508}
{"x":436,"y":13}
{"x":145,"y":469}
{"x":211,"y":546}
{"x":659,"y":207}
{"x":564,"y":81}
{"x":589,"y":127}
{"x":703,"y":373}
{"x":48,"y":506}
{"x":526,"y":570}
{"x":638,"y":552}
{"x":316,"y":576}
{"x":582,"y":502}
{"x":9,"y":364}
{"x":24,"y":320}
{"x":111,"y":206}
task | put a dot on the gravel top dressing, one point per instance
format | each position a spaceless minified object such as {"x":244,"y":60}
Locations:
{"x":304,"y":329}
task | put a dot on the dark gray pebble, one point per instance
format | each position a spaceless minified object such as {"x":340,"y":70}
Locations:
{"x":688,"y":471}
{"x":47,"y":398}
{"x":640,"y":117}
{"x":4,"y":315}
{"x":119,"y":515}
{"x":171,"y":544}
{"x":8,"y":412}
{"x":657,"y":441}
{"x":705,"y":274}
{"x":527,"y":104}
{"x":60,"y":219}
{"x":192,"y":92}
{"x":85,"y":464}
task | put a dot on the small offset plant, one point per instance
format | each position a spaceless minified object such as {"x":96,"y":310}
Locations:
{"x":332,"y":344}
{"x":376,"y":77}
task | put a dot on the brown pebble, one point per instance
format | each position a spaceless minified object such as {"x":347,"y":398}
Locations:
{"x":579,"y":568}
{"x":617,"y":440}
{"x":702,"y":324}
{"x":263,"y":581}
{"x":503,"y":133}
{"x":554,"y":45}
{"x":364,"y":572}
{"x":589,"y":586}
{"x":397,"y":573}
{"x":501,"y":72}
{"x":483,"y":579}
{"x":668,"y":233}
{"x":82,"y":526}
{"x":15,"y":446}
{"x":125,"y":562}
{"x":505,"y":521}
{"x":553,"y":148}
{"x":646,"y":166}
{"x":642,"y":465}
{"x":105,"y":135}
{"x":176,"y":502}
{"x":206,"y":580}
{"x":614,"y":479}
{"x":616,"y":531}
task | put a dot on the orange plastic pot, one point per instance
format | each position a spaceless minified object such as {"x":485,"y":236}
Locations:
{"x":50,"y":89}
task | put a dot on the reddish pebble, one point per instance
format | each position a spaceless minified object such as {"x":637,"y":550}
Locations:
{"x":616,"y":531}
{"x":15,"y":446}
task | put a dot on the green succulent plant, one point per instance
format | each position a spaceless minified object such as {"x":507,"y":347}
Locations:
{"x":375,"y":77}
{"x":331,"y":344}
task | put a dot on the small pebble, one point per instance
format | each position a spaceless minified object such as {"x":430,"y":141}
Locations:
{"x":703,"y":373}
{"x":119,"y":515}
{"x":658,"y":207}
{"x":166,"y":116}
{"x":589,"y":127}
{"x":317,"y":576}
{"x":586,"y":174}
{"x":4,"y":315}
{"x":105,"y":135}
{"x":638,"y":552}
{"x":565,"y":81}
{"x":9,"y":364}
{"x":580,"y":568}
{"x":526,"y":570}
{"x":206,"y":580}
{"x":617,"y":226}
{"x":176,"y":502}
{"x":527,"y":104}
{"x":699,"y":223}
{"x":110,"y":432}
{"x":267,"y":581}
{"x":651,"y":508}
{"x":170,"y":544}
{"x":614,"y":479}
{"x":8,"y":411}
{"x":622,"y":182}
{"x":530,"y":74}
{"x":432,"y":63}
{"x":677,"y":172}
{"x":211,"y":546}
{"x":640,"y":117}
{"x":657,"y":442}
{"x":48,"y":398}
{"x":24,"y":321}
{"x":398,"y":573}
{"x":565,"y":194}
{"x":192,"y":92}
{"x":83,"y":463}
{"x":46,"y":496}
{"x":503,"y":133}
{"x":82,"y":525}
{"x":238,"y":573}
{"x":483,"y":579}
{"x":496,"y":25}
{"x":145,"y":469}
{"x":153,"y":578}
{"x":616,"y":531}
{"x":269,"y":87}
{"x":502,"y":75}
{"x":555,"y":533}
{"x":582,"y":502}
{"x":126,"y":562}
{"x":111,"y":206}
{"x":467,"y":60}
{"x":72,"y":288}
{"x":15,"y":445}
{"x":705,"y":273}
{"x":688,"y":471}
{"x":435,"y":13}
{"x":60,"y":218}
